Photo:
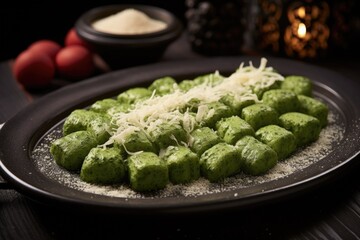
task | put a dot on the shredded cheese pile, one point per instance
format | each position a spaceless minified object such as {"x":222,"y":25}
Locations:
{"x":149,"y":114}
{"x":128,"y":21}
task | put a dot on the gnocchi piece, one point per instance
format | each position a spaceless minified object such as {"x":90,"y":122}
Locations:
{"x":258,"y":158}
{"x":220,"y":161}
{"x":305,"y":128}
{"x":259,"y":115}
{"x":233,"y":128}
{"x":70,"y":151}
{"x":183,"y":164}
{"x":282,"y":141}
{"x":103,"y":166}
{"x":147,"y":172}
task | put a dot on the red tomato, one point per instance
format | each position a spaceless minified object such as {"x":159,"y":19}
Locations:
{"x":49,"y":47}
{"x":33,"y":69}
{"x":75,"y":62}
{"x":72,"y":38}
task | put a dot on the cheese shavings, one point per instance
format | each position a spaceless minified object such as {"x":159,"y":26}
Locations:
{"x":149,"y":114}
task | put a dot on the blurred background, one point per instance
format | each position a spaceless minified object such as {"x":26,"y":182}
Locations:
{"x":301,"y":29}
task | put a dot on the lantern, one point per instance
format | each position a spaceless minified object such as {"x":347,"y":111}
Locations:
{"x":297,"y":29}
{"x":307,"y":34}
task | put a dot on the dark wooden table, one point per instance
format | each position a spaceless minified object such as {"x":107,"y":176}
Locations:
{"x":331,"y":211}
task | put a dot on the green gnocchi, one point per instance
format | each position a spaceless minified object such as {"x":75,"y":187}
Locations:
{"x":179,"y":130}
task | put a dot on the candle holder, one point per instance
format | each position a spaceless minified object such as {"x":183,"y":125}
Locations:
{"x":297,"y":29}
{"x":307,"y":32}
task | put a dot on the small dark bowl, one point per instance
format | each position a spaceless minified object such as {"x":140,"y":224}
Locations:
{"x":119,"y":51}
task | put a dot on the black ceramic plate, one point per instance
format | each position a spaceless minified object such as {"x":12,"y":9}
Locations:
{"x":22,"y":133}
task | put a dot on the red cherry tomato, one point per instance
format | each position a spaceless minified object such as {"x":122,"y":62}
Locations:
{"x":33,"y":69}
{"x":75,"y":62}
{"x":72,"y":38}
{"x":49,"y":47}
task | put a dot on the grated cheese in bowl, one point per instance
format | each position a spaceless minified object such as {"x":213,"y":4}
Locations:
{"x":128,"y":21}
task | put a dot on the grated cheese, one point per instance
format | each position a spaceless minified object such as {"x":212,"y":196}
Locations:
{"x":149,"y":114}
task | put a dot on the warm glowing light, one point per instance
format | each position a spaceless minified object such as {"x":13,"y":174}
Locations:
{"x":301,"y":30}
{"x":301,"y":12}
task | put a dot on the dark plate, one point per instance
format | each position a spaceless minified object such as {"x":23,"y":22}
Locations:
{"x":22,"y":133}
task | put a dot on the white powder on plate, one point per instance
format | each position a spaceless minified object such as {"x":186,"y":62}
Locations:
{"x":329,"y":138}
{"x":129,"y":21}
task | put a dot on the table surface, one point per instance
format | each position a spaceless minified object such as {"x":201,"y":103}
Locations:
{"x":329,"y":212}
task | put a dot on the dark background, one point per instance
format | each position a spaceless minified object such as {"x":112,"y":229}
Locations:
{"x":22,"y":23}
